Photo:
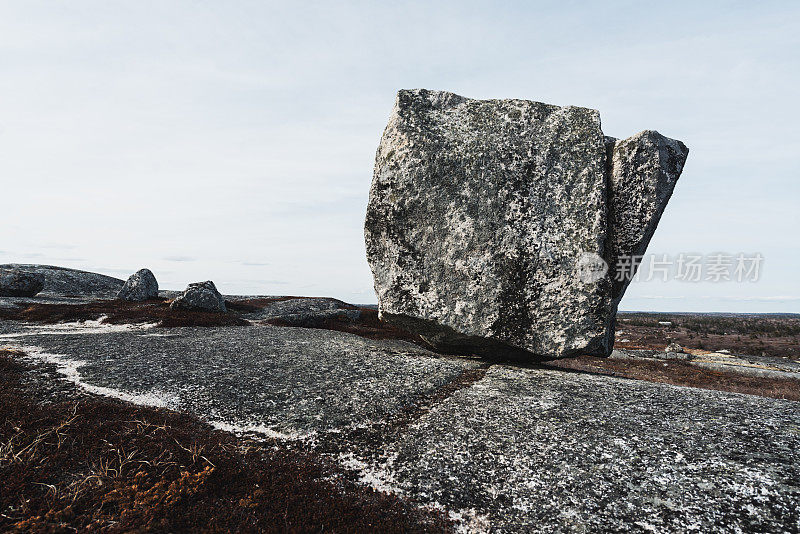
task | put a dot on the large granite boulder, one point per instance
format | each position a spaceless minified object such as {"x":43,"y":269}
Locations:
{"x":18,"y":283}
{"x":200,"y":296}
{"x":141,"y":285}
{"x":487,"y":228}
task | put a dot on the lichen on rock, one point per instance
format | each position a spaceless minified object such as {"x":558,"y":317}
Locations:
{"x":643,"y":171}
{"x":200,"y":296}
{"x":20,"y":283}
{"x":480,"y":217}
{"x":141,"y":285}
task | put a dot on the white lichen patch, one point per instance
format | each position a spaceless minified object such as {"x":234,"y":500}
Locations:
{"x":69,"y":369}
{"x":378,"y":478}
{"x":83,"y":327}
{"x":260,"y":429}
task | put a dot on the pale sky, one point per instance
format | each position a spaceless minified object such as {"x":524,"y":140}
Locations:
{"x":235,"y":141}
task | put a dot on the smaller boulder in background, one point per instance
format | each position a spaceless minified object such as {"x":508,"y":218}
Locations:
{"x":141,"y":285}
{"x":673,"y":347}
{"x":16,"y":283}
{"x":200,"y":296}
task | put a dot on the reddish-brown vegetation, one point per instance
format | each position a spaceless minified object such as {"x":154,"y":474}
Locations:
{"x":681,"y":373}
{"x":121,"y":312}
{"x":96,"y":464}
{"x":769,"y":335}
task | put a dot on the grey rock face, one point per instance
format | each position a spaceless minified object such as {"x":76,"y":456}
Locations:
{"x":487,"y":228}
{"x":643,"y":172}
{"x":317,"y":319}
{"x":299,"y":306}
{"x":141,"y":285}
{"x":200,"y":296}
{"x":306,"y":312}
{"x":18,"y":283}
{"x":542,"y":451}
{"x":65,"y":282}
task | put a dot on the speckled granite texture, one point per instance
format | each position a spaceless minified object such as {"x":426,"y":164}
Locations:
{"x":484,"y":214}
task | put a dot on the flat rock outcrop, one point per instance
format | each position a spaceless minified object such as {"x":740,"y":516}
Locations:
{"x":489,"y":225}
{"x":305,"y":311}
{"x":141,"y":285}
{"x":200,"y":296}
{"x":20,"y":283}
{"x":517,"y":450}
{"x":62,"y":281}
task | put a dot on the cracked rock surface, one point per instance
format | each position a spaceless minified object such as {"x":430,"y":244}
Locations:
{"x":518,"y":449}
{"x":541,"y":450}
{"x":485,"y":217}
{"x":290,"y":380}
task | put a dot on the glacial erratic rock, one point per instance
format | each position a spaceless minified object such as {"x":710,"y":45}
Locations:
{"x":478,"y":211}
{"x":19,"y":283}
{"x":141,"y":285}
{"x":643,"y":171}
{"x":488,"y":223}
{"x":200,"y":296}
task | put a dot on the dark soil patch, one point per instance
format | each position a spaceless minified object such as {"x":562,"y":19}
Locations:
{"x":764,"y":334}
{"x":121,"y":312}
{"x":95,"y":464}
{"x":682,"y":373}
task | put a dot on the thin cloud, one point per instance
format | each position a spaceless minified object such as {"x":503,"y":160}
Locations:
{"x":230,"y":147}
{"x":57,"y":246}
{"x":770,"y":298}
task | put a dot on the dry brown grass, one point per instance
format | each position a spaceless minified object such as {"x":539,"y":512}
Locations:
{"x":121,"y":312}
{"x":770,"y":335}
{"x":102,"y":465}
